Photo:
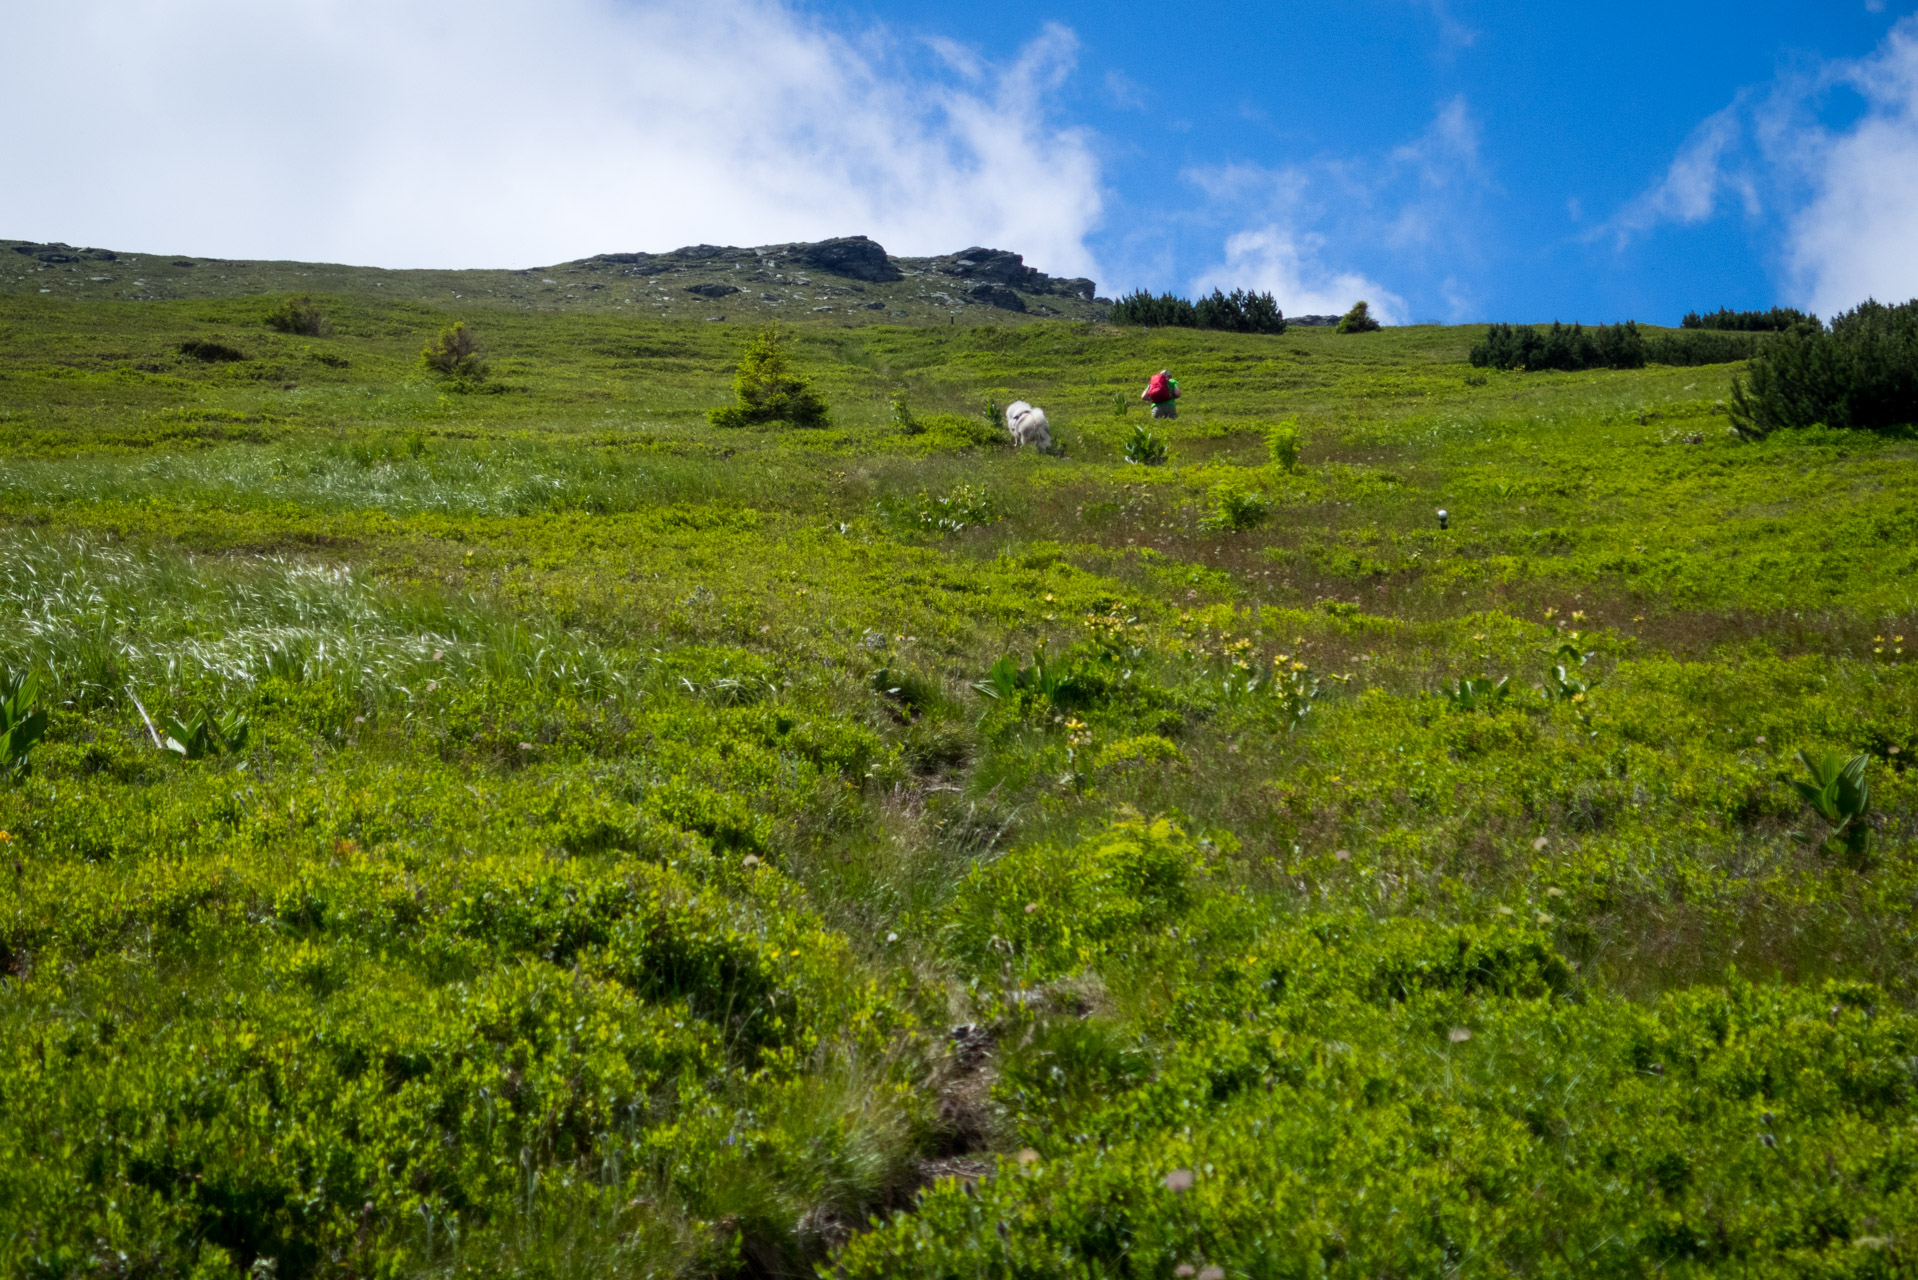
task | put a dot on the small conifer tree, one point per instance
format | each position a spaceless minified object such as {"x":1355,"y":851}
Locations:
{"x":298,"y":316}
{"x":454,"y":354}
{"x":769,"y":391}
{"x":1358,"y":319}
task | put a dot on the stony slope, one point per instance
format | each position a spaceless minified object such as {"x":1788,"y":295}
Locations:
{"x":851,"y":280}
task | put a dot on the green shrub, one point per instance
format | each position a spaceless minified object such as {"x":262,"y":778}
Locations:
{"x":768,"y":391}
{"x":1861,"y":374}
{"x":1049,"y":910}
{"x":298,"y":316}
{"x":1145,"y":447}
{"x":1703,"y":346}
{"x":1240,"y":311}
{"x":1235,"y":510}
{"x":211,"y":350}
{"x":454,"y":354}
{"x":1776,"y":320}
{"x":1505,"y":346}
{"x":1161,"y":311}
{"x":1282,"y":444}
{"x":1359,"y":319}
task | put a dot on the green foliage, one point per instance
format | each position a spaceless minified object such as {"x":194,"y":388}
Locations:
{"x":902,"y":415}
{"x":1145,"y":447}
{"x":966,"y":507}
{"x":205,"y":734}
{"x":1235,"y":510}
{"x":1046,"y":911}
{"x":1702,"y":346}
{"x":612,"y":856}
{"x":211,"y":351}
{"x":1617,"y":346}
{"x":1841,"y":796}
{"x":1240,"y":311}
{"x":1359,"y":319}
{"x":1860,"y":374}
{"x":298,"y":315}
{"x":768,"y":391}
{"x":22,"y":722}
{"x":454,"y":354}
{"x":1484,"y":694}
{"x":1282,"y":444}
{"x":1776,"y":320}
{"x":1156,"y":311}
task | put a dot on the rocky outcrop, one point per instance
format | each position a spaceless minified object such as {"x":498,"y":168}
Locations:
{"x":855,"y":257}
{"x":976,"y":276}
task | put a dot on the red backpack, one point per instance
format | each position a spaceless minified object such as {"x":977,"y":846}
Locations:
{"x":1159,"y":390}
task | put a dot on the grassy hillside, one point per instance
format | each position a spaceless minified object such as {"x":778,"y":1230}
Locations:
{"x":660,"y":850}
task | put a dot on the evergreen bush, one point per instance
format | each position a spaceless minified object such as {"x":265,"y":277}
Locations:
{"x":298,"y":316}
{"x":1165,"y":310}
{"x":1618,"y":346}
{"x":769,"y":391}
{"x":1240,"y":312}
{"x":1862,"y":373}
{"x":1358,"y":319}
{"x":1777,"y":320}
{"x":454,"y":354}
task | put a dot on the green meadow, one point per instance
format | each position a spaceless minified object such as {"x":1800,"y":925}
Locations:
{"x":516,"y":828}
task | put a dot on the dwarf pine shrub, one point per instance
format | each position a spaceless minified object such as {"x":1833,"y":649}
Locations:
{"x":1860,"y":374}
{"x":1240,"y":311}
{"x":1776,"y":320}
{"x":298,"y":316}
{"x":1359,"y":319}
{"x":454,"y":354}
{"x":768,"y":391}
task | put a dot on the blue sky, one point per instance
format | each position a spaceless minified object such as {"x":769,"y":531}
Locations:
{"x":1446,"y":159}
{"x":1564,"y":115}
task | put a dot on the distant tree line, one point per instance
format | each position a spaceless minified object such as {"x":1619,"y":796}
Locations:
{"x":1608,"y":346}
{"x":1240,"y":311}
{"x":1777,"y":320}
{"x":1861,"y":373}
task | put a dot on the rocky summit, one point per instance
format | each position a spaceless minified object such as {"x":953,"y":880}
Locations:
{"x":845,"y":280}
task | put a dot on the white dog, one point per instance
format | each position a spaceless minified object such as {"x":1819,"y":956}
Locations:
{"x":1028,"y":426}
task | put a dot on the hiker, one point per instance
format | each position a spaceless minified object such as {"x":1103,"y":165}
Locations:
{"x":1162,"y":393}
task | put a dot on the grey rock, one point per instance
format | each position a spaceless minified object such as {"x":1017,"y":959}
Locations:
{"x":996,"y":295}
{"x":711,"y":290}
{"x":997,"y":266}
{"x":856,"y":257}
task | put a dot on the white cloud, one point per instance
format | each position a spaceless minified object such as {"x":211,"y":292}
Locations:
{"x":1289,"y":265}
{"x":1413,"y":206}
{"x":1690,"y":189}
{"x":1844,"y":202}
{"x":504,"y":132}
{"x":1858,"y":237}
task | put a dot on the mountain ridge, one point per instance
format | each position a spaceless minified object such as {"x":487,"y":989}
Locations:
{"x":845,"y":279}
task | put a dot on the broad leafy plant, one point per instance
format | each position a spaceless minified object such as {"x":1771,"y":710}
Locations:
{"x":22,"y":723}
{"x":206,"y":734}
{"x":1837,"y":790}
{"x":1483,"y":694}
{"x":1145,"y":447}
